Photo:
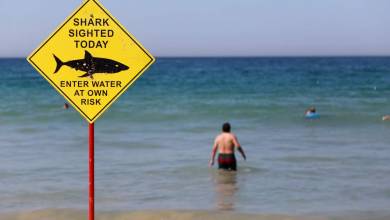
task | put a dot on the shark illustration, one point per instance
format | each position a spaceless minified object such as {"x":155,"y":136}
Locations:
{"x":92,"y":65}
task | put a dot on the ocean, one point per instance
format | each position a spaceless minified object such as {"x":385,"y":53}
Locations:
{"x":153,"y":145}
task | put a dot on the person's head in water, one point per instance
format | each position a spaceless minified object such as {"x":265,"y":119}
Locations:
{"x":226,"y":127}
{"x":312,"y":110}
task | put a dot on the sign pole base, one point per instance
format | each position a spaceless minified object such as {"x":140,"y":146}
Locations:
{"x":91,"y":214}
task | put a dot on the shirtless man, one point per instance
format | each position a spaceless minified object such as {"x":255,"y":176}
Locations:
{"x":225,"y":144}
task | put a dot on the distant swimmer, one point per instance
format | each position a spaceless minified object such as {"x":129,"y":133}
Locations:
{"x":386,"y":118}
{"x":66,"y":106}
{"x":311,"y":113}
{"x":225,"y":143}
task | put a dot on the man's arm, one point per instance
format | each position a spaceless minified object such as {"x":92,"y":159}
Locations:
{"x":213,"y":152}
{"x":239,"y":148}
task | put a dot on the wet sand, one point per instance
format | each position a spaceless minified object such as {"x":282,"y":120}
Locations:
{"x":65,"y":214}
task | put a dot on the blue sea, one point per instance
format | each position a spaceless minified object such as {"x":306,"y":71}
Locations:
{"x":153,"y":145}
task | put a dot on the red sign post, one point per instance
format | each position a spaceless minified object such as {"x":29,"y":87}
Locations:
{"x":91,"y":213}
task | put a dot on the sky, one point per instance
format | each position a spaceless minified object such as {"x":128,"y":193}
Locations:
{"x":217,"y":27}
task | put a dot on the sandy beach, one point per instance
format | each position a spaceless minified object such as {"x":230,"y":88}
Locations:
{"x":66,"y":214}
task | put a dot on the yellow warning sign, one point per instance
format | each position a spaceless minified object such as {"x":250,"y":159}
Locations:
{"x":91,"y":59}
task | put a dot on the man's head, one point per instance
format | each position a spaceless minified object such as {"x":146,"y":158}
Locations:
{"x":226,"y":127}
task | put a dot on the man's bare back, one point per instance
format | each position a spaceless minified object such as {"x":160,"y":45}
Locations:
{"x":225,"y":143}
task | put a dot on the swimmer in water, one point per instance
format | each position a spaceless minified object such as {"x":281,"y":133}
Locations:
{"x":311,"y":113}
{"x":66,"y":105}
{"x":225,"y":144}
{"x":386,"y":118}
{"x":311,"y":110}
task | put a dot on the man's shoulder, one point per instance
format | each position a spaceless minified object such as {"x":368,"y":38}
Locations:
{"x":232,"y":135}
{"x":226,"y":135}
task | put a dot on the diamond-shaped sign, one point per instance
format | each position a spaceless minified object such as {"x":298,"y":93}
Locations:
{"x":91,"y":59}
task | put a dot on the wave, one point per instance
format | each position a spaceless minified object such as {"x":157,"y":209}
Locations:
{"x":309,"y":159}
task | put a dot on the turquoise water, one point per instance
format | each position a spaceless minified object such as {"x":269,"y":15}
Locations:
{"x":153,"y":144}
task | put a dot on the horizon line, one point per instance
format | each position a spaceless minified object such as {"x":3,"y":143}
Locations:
{"x":243,"y":56}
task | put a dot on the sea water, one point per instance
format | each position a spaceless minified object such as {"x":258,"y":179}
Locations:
{"x":153,"y":145}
